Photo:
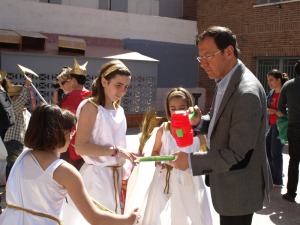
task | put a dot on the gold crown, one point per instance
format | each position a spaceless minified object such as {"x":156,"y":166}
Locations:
{"x":79,"y":70}
{"x":2,"y":75}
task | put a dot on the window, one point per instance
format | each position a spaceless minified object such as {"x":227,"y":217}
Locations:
{"x":264,"y":65}
{"x":269,"y":1}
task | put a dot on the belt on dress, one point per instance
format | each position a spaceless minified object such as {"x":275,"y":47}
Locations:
{"x":30,"y":211}
{"x":167,"y":186}
{"x":116,"y":176}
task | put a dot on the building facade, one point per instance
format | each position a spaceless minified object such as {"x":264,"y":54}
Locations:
{"x":107,"y":33}
{"x":268,"y":34}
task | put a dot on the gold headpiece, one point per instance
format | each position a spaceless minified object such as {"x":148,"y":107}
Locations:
{"x":2,"y":75}
{"x":79,"y":70}
{"x":12,"y":89}
{"x":117,"y":66}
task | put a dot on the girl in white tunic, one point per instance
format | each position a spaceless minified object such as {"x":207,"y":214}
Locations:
{"x":39,"y":180}
{"x":175,"y":197}
{"x":101,"y":135}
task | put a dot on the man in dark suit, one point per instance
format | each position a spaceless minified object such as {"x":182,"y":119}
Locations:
{"x":236,"y":162}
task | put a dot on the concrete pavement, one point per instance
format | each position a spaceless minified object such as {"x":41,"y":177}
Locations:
{"x":278,"y":211}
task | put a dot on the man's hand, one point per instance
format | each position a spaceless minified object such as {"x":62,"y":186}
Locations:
{"x":181,"y":161}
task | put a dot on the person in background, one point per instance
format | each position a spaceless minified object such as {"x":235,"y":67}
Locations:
{"x":6,"y":113}
{"x":77,"y":92}
{"x":62,"y":86}
{"x":236,"y":161}
{"x":289,"y":101}
{"x":274,"y":146}
{"x":39,"y":180}
{"x":14,"y":137}
{"x":75,"y":79}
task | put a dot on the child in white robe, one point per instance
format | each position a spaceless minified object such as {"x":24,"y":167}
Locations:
{"x":101,"y":138}
{"x":39,"y":180}
{"x":174,"y":197}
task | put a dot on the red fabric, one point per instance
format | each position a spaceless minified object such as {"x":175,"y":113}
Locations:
{"x":123,"y":194}
{"x":73,"y":99}
{"x":273,"y":105}
{"x":71,"y":102}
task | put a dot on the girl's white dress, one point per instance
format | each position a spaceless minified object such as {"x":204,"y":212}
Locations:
{"x":175,"y":197}
{"x":102,"y":175}
{"x":31,"y":187}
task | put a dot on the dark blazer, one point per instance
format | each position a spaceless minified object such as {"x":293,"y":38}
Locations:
{"x":236,"y":162}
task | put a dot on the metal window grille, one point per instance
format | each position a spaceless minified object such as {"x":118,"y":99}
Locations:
{"x":140,"y":97}
{"x":269,"y":1}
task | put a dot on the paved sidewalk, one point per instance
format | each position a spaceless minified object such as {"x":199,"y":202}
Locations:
{"x":278,"y":211}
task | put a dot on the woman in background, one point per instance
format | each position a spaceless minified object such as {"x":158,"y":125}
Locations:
{"x":273,"y":145}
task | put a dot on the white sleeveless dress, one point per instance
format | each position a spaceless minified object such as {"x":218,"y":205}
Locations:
{"x":177,"y":198}
{"x":31,"y":187}
{"x":101,"y":182}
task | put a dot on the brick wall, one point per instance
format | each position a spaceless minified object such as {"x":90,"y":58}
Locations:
{"x":265,"y":31}
{"x":190,"y":10}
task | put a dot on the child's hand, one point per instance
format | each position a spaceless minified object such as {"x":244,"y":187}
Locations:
{"x":197,"y":117}
{"x":134,"y":217}
{"x":128,"y":155}
{"x":158,"y":164}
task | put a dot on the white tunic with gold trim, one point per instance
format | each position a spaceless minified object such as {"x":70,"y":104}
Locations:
{"x":101,"y":182}
{"x":31,"y":187}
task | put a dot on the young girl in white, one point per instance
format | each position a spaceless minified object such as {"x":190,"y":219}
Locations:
{"x":101,"y":135}
{"x":39,"y":180}
{"x":175,"y":197}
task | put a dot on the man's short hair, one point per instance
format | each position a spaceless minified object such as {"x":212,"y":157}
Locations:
{"x":222,"y":36}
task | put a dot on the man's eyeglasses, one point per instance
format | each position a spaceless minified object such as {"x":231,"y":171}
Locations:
{"x":209,"y":57}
